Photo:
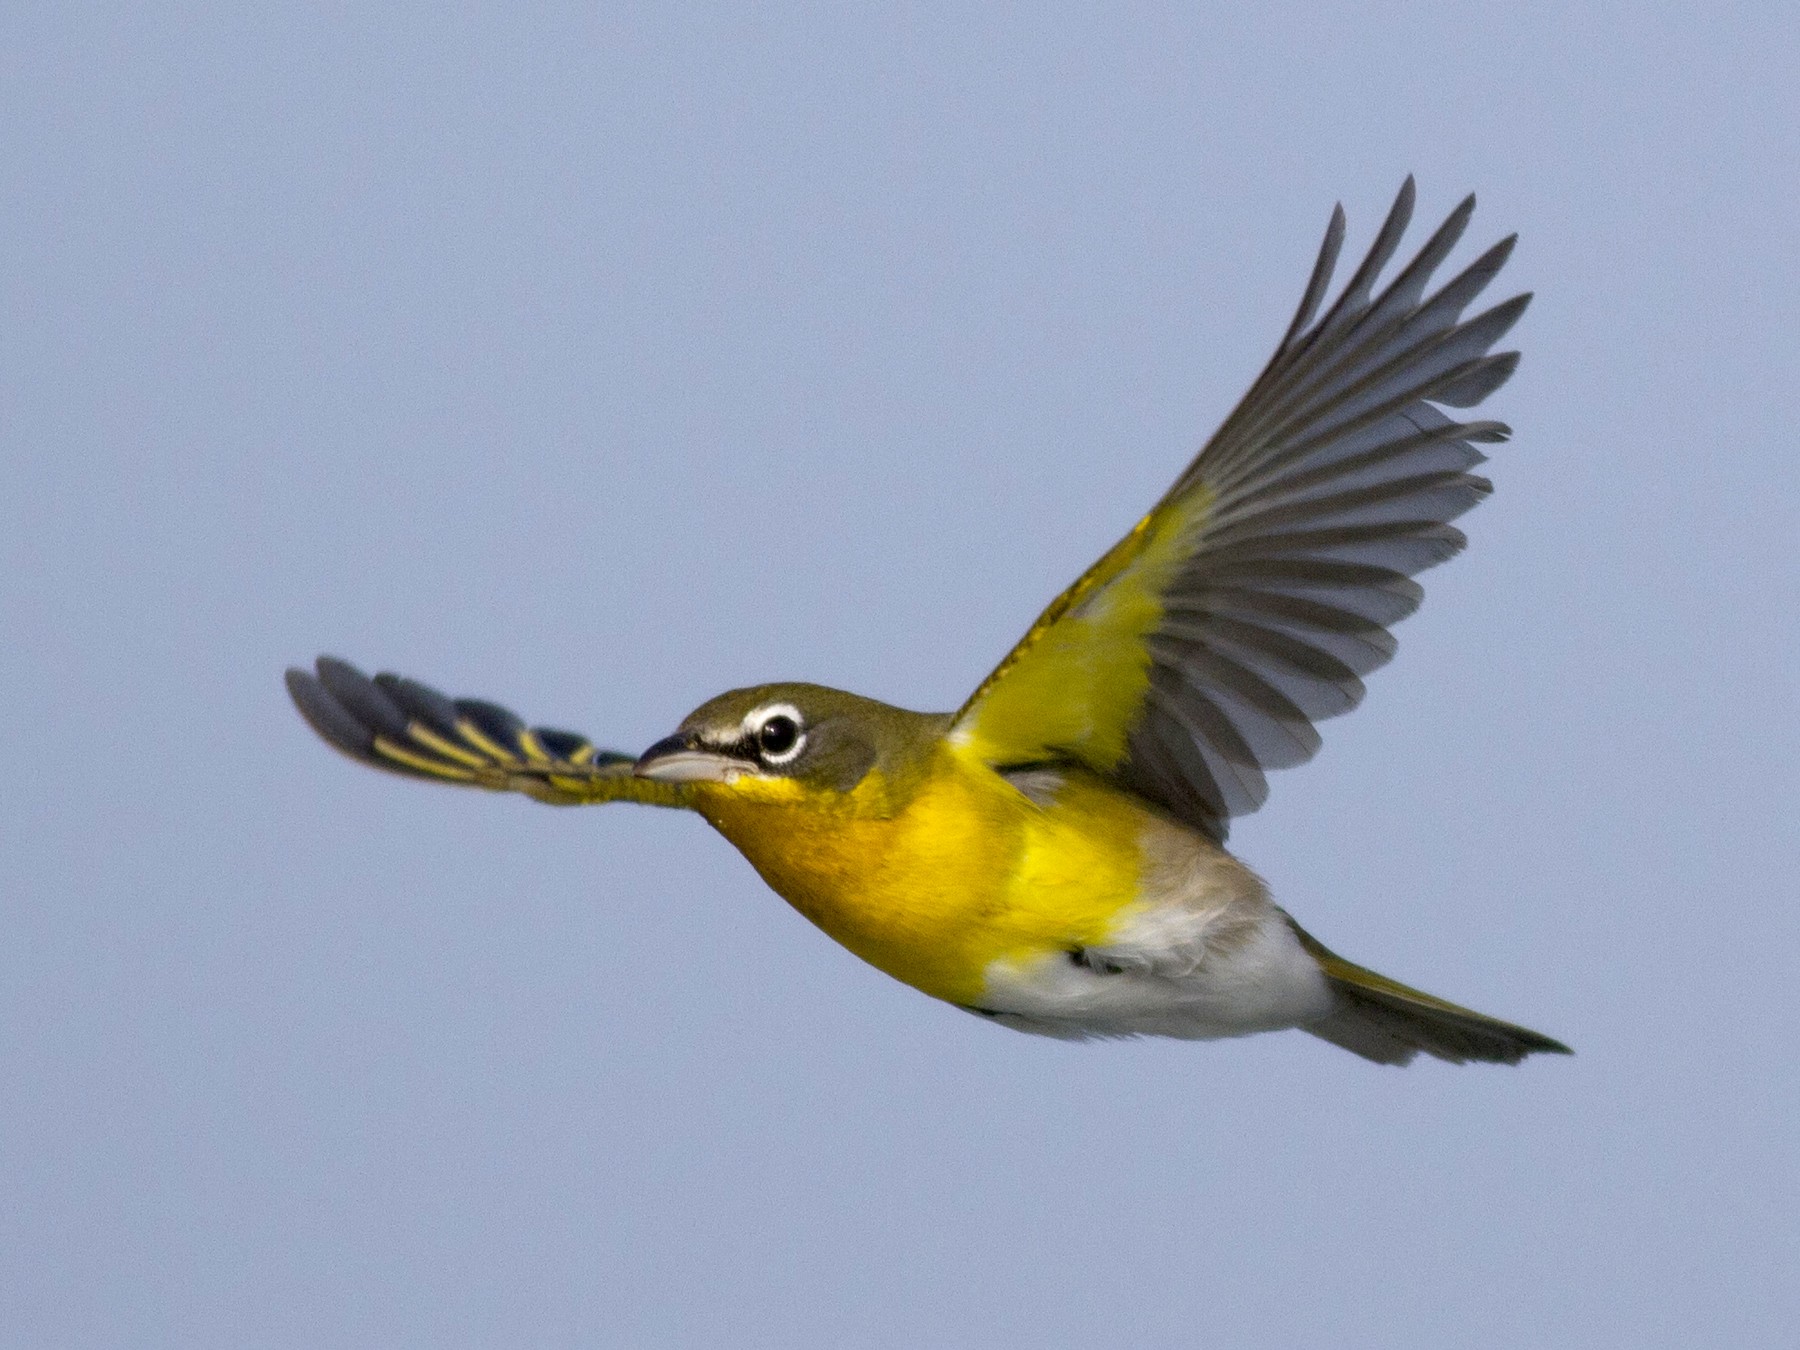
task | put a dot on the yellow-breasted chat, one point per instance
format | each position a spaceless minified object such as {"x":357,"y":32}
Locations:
{"x":1051,"y":854}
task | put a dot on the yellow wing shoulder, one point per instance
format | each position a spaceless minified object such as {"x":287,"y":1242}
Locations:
{"x":1076,"y":682}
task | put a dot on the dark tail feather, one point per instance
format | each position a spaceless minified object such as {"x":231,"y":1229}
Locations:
{"x":1383,"y":1020}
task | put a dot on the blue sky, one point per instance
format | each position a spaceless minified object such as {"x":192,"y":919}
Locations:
{"x":598,"y":362}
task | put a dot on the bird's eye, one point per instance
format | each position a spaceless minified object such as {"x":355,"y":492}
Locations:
{"x":778,"y":736}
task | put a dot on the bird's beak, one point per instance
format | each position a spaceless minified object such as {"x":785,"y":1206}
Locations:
{"x":675,"y":759}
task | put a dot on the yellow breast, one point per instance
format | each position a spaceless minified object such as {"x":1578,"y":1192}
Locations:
{"x":962,"y":872}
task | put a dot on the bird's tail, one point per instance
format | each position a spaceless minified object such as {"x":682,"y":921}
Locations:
{"x":1384,"y":1020}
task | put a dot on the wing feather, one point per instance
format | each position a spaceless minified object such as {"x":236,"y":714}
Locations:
{"x":1286,"y":720}
{"x":1254,"y":597}
{"x":405,"y":727}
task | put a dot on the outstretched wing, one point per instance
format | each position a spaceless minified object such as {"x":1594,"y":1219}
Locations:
{"x":1199,"y":651}
{"x":400,"y":725}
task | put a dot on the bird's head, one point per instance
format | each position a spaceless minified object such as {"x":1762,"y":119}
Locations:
{"x":789,"y":742}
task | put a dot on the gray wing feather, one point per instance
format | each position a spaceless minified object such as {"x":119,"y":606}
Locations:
{"x":1333,"y":483}
{"x":402,"y":726}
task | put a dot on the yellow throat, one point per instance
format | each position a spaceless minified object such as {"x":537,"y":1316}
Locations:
{"x":935,"y":877}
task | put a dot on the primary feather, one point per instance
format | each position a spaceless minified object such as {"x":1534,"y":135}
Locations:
{"x":405,"y":727}
{"x":1248,"y":605}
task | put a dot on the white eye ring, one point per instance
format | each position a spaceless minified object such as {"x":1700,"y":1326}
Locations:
{"x":758,"y":723}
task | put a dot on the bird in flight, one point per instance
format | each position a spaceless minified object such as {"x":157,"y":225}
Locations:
{"x":1051,"y":855}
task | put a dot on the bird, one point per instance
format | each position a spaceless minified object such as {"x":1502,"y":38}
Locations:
{"x":1051,"y":855}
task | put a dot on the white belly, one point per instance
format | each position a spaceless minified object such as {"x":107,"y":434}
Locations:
{"x":1175,"y":969}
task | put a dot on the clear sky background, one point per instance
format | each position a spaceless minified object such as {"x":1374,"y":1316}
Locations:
{"x":598,"y":361}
